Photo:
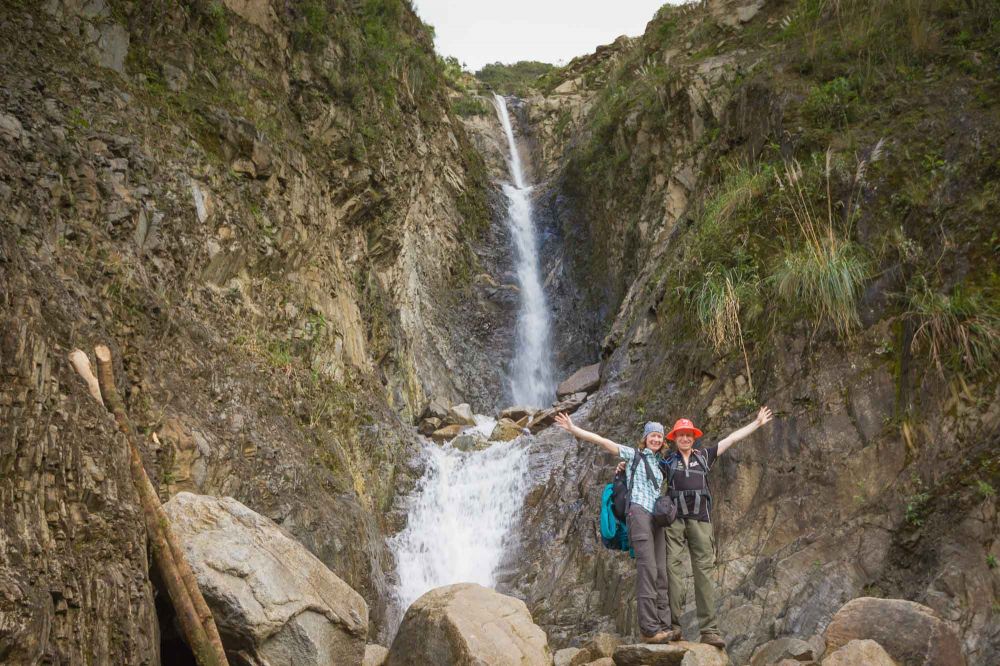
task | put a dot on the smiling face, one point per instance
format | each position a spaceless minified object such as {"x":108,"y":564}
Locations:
{"x":684,"y":440}
{"x":654,"y":441}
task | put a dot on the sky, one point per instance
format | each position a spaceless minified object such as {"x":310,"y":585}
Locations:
{"x":478,"y":32}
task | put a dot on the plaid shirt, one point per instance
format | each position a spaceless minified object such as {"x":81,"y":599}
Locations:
{"x":644,"y":490}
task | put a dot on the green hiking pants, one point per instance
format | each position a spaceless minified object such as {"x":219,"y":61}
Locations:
{"x":697,"y":538}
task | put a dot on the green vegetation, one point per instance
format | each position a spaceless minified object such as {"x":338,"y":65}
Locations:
{"x":516,"y":79}
{"x":985,"y":489}
{"x":991,"y":561}
{"x":916,"y":508}
{"x":960,"y":330}
{"x":470,"y":105}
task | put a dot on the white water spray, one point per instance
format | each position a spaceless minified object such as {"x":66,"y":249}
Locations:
{"x":531,"y":370}
{"x":459,"y":518}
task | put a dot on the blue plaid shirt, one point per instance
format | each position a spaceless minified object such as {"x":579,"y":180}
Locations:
{"x":644,"y":490}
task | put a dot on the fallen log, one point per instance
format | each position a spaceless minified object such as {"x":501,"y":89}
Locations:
{"x":193,"y":615}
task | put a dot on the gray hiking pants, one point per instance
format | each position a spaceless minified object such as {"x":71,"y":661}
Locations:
{"x":651,"y":590}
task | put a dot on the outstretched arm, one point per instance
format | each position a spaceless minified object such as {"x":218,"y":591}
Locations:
{"x":566,"y":423}
{"x":763,"y":416}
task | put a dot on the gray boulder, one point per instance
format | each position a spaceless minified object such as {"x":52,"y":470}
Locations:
{"x":375,"y":655}
{"x":460,"y":415}
{"x":584,"y":380}
{"x":783,"y":648}
{"x":910,"y":632}
{"x":467,"y":625}
{"x":273,"y":600}
{"x":866,"y":652}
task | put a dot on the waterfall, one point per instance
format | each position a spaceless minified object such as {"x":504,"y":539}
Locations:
{"x":531,"y":368}
{"x":459,"y":518}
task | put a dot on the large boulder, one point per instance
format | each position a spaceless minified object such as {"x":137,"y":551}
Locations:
{"x":447,"y":433}
{"x":783,"y":648}
{"x":584,"y":380}
{"x":681,"y":653}
{"x":272,"y":599}
{"x":460,"y":415}
{"x":375,"y":655}
{"x":600,"y":646}
{"x":910,"y":632}
{"x":505,"y":431}
{"x":856,"y":652}
{"x":466,"y":625}
{"x":517,"y":412}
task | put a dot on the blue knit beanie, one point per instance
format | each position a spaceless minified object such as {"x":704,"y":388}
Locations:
{"x":651,"y":426}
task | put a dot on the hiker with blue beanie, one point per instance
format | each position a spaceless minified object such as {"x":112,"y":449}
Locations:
{"x":645,"y":476}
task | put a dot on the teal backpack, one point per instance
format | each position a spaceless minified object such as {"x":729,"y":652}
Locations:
{"x":614,"y":532}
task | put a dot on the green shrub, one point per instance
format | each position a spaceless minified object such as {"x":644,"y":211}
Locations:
{"x":960,"y":330}
{"x":470,"y":105}
{"x":832,"y":104}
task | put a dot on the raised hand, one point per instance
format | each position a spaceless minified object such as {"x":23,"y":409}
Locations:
{"x":764,"y":415}
{"x":564,"y":421}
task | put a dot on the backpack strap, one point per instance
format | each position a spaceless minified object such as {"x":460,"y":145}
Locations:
{"x":649,"y":471}
{"x":631,"y":480}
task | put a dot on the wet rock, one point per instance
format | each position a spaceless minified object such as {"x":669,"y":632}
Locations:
{"x":447,"y":433}
{"x":429,"y":425}
{"x":584,"y":380}
{"x":271,"y":597}
{"x":909,"y":632}
{"x":780,"y":649}
{"x":467,"y":624}
{"x":505,"y":431}
{"x":856,"y":652}
{"x":546,"y":417}
{"x":470,"y":443}
{"x":680,"y":653}
{"x":375,"y":655}
{"x":460,"y":415}
{"x":517,"y":413}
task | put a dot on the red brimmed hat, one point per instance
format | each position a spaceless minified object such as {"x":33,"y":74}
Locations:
{"x":681,"y":425}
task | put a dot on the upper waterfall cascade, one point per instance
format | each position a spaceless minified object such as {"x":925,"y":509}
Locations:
{"x":531,"y":372}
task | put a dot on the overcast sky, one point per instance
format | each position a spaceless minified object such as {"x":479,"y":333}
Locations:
{"x":479,"y":32}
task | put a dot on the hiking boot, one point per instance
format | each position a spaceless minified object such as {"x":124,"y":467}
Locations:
{"x":675,"y":634}
{"x":657,"y":638}
{"x":713,"y":639}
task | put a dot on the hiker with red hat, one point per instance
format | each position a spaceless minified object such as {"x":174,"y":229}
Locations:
{"x":686,"y":470}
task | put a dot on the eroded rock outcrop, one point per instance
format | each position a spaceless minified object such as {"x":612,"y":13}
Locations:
{"x":274,"y":601}
{"x":673,"y":654}
{"x":466,"y":625}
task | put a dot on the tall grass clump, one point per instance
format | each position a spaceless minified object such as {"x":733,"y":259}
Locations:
{"x":959,"y":330}
{"x":722,"y":298}
{"x":824,"y":275}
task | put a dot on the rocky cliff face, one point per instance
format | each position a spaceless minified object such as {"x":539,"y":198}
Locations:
{"x":687,"y":167}
{"x":271,"y":215}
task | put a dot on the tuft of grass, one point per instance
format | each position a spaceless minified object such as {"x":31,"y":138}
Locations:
{"x":985,"y":489}
{"x":991,"y":561}
{"x":470,"y":105}
{"x":916,"y":506}
{"x":960,"y":330}
{"x":825,"y":274}
{"x":719,"y":301}
{"x":832,"y":104}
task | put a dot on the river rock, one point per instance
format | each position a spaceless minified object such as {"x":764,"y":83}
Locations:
{"x":505,"y":431}
{"x":782,"y":648}
{"x":429,"y":425}
{"x":460,"y":415}
{"x":600,"y":646}
{"x":375,"y":655}
{"x":272,"y":598}
{"x":866,"y":652}
{"x":909,"y":632}
{"x":681,"y":653}
{"x":465,"y":625}
{"x":469,"y":443}
{"x":584,"y":380}
{"x":447,"y":433}
{"x":517,"y":412}
{"x":547,"y":417}
{"x":565,"y":656}
{"x":436,"y":408}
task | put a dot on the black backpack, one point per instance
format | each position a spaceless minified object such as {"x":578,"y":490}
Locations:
{"x":665,"y":509}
